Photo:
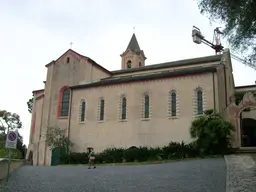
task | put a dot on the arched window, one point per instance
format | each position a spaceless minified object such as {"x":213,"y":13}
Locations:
{"x":123,"y":111}
{"x":64,"y":105}
{"x":199,"y":96}
{"x":102,"y":109}
{"x":82,"y":114}
{"x":173,"y":103}
{"x":129,"y":64}
{"x":146,"y":106}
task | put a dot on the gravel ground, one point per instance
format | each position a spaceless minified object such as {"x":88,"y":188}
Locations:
{"x":206,"y":175}
{"x":241,"y":173}
{"x":253,"y":155}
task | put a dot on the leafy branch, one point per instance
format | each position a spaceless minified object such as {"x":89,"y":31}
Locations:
{"x":9,"y":120}
{"x":56,"y":137}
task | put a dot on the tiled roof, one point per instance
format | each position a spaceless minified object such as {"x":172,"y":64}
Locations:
{"x":151,"y":76}
{"x":185,"y":62}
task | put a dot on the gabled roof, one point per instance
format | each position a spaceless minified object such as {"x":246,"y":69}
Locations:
{"x":133,"y":45}
{"x":81,"y":57}
{"x":186,"y":62}
{"x":151,"y":76}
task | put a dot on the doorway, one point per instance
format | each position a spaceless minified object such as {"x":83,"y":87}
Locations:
{"x":30,"y":158}
{"x":248,"y":128}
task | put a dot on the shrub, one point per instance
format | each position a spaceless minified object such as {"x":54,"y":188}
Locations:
{"x":15,"y":153}
{"x":173,"y":150}
{"x":112,"y":155}
{"x":170,"y":151}
{"x":74,"y":158}
{"x":137,"y":154}
{"x":212,"y":133}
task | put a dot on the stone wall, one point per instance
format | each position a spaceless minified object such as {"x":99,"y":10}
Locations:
{"x":15,"y":164}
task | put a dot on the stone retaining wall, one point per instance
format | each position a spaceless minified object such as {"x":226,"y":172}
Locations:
{"x":15,"y":164}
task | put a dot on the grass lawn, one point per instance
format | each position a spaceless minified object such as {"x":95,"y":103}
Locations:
{"x":147,"y":162}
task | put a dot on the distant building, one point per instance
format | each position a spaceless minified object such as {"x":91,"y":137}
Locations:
{"x":138,"y":105}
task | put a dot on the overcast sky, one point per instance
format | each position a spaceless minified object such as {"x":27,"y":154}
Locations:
{"x":35,"y":32}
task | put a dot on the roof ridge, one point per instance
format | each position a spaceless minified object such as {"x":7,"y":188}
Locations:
{"x":183,"y":62}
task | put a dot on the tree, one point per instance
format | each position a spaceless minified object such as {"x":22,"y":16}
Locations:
{"x":30,"y":105}
{"x":9,"y":120}
{"x":21,"y":147}
{"x":212,"y":133}
{"x":239,"y":18}
{"x":56,"y":137}
{"x":18,"y":153}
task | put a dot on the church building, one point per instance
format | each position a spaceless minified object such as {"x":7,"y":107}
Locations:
{"x":138,"y":105}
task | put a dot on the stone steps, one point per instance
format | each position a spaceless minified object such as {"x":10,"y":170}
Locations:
{"x":246,"y":150}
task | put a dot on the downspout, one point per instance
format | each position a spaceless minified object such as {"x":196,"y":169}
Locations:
{"x":49,"y":113}
{"x":40,"y":132}
{"x":214,"y":91}
{"x":69,"y":119}
{"x":225,"y":80}
{"x":241,"y":130}
{"x":91,"y":73}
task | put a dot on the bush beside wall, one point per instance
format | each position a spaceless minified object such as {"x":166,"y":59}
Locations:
{"x":173,"y":151}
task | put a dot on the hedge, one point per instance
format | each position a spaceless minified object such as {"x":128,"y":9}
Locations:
{"x":173,"y":151}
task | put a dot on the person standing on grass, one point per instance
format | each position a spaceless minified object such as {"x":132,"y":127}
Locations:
{"x":91,"y":157}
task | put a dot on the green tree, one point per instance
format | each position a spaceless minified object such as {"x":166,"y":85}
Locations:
{"x":56,"y":137}
{"x":212,"y":133}
{"x":30,"y":105}
{"x":239,"y":18}
{"x":9,"y":120}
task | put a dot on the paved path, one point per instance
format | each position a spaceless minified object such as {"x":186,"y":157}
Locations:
{"x":207,"y":175}
{"x":241,"y":173}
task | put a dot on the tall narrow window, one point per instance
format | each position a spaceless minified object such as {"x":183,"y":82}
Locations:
{"x":199,"y":102}
{"x":65,"y":103}
{"x":123,"y":115}
{"x":173,"y":104}
{"x":146,"y":106}
{"x":102,"y":108}
{"x":82,"y":115}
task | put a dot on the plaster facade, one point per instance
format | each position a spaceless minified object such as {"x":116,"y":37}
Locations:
{"x":90,"y":83}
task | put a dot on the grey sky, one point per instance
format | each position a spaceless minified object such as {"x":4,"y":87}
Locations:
{"x":35,"y":32}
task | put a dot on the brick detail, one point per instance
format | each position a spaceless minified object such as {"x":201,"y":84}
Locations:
{"x":143,"y":104}
{"x":195,"y":103}
{"x":120,"y":108}
{"x":80,"y":111}
{"x":98,"y":109}
{"x":169,"y":109}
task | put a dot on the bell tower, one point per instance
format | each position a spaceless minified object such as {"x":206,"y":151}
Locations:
{"x":133,"y":56}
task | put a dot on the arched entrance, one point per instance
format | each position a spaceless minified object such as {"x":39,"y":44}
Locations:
{"x":245,"y":129}
{"x":30,"y":158}
{"x":248,"y":132}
